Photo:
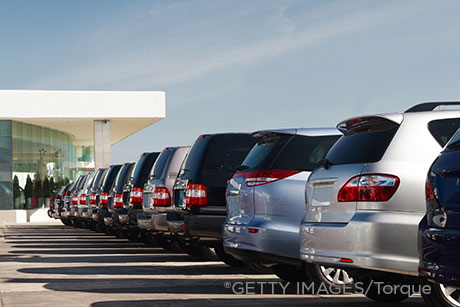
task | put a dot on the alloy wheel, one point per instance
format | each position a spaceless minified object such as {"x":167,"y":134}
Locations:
{"x":336,"y":276}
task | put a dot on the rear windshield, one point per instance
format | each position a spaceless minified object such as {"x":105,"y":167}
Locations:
{"x":97,"y":181}
{"x":363,"y":143}
{"x":443,"y":129}
{"x":287,"y":152}
{"x":110,"y":177}
{"x":123,"y":176}
{"x":225,"y":154}
{"x":219,"y":155}
{"x":142,"y":168}
{"x":160,"y":164}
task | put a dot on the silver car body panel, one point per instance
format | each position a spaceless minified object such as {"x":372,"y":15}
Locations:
{"x":275,"y":209}
{"x":157,"y":219}
{"x":374,"y":235}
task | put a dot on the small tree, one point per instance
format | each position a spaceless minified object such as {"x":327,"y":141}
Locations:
{"x":46,"y":188}
{"x":38,"y":188}
{"x":16,"y":189}
{"x":53,"y":186}
{"x":28,"y":188}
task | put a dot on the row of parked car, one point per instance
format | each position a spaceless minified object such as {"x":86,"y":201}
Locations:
{"x":331,"y":205}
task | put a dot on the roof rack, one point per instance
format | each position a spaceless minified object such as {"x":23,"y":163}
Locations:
{"x":430,"y":106}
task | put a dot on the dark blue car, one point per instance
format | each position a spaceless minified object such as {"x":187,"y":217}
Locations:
{"x":439,"y":231}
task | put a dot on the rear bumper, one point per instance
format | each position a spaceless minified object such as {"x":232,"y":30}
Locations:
{"x":144,"y":221}
{"x":276,"y":235}
{"x":175,"y":224}
{"x":439,"y":250}
{"x":249,"y":255}
{"x":375,"y":240}
{"x":159,"y":222}
{"x":204,"y":226}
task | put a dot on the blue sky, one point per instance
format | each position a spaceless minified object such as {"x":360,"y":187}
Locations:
{"x":237,"y":65}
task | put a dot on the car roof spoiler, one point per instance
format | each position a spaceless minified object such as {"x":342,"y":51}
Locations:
{"x":430,"y":106}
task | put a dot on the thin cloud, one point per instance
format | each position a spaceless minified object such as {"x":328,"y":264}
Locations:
{"x":144,"y":70}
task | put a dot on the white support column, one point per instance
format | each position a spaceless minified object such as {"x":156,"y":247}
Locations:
{"x":101,"y":143}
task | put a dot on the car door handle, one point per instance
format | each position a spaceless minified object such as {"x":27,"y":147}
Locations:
{"x":234,"y":193}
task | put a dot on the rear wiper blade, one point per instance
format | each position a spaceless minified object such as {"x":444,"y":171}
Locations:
{"x":242,"y":167}
{"x":325,"y":163}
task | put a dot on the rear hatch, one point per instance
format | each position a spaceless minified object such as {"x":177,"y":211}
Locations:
{"x":365,"y":140}
{"x":442,"y":191}
{"x":271,"y":180}
{"x":133,"y":190}
{"x":211,"y":162}
{"x":155,"y":177}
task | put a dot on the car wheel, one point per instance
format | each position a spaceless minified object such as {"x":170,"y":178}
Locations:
{"x":442,"y":296}
{"x":208,"y":252}
{"x":259,"y":267}
{"x":374,"y":291}
{"x":290,"y":273}
{"x":190,"y":250}
{"x":334,"y":279}
{"x":227,"y":258}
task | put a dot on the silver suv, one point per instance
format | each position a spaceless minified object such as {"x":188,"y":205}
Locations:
{"x":365,"y":202}
{"x":265,"y":199}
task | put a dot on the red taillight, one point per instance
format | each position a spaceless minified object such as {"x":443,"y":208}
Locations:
{"x":83,"y":199}
{"x":61,"y":210}
{"x":135,"y":197}
{"x":369,"y":187}
{"x":346,"y":260}
{"x":118,"y":201}
{"x":75,"y":200}
{"x":253,"y":230}
{"x":104,"y":198}
{"x":196,"y":195}
{"x":93,"y":198}
{"x":255,"y":178}
{"x":161,"y":197}
{"x":429,"y":195}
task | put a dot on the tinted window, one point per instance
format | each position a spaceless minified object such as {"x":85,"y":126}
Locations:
{"x":195,"y":155}
{"x":264,"y":152}
{"x":287,"y":152}
{"x":97,"y":181}
{"x":361,"y":147}
{"x":443,"y":129}
{"x":110,"y":177}
{"x":123,"y":176}
{"x":226,"y":152}
{"x":160,"y":164}
{"x":303,"y":152}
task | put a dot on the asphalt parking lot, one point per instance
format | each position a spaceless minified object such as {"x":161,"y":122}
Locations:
{"x":53,"y":265}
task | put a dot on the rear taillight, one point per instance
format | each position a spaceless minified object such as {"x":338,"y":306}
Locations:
{"x":93,"y":198}
{"x":369,"y":187}
{"x":135,"y":197}
{"x":255,"y":178}
{"x":196,"y":195}
{"x":118,"y":201}
{"x":429,"y":195}
{"x":161,"y":197}
{"x":75,"y":200}
{"x":83,"y":199}
{"x":104,"y":198}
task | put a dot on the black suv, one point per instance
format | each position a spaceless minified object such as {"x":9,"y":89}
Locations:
{"x":126,"y":218}
{"x":199,"y":191}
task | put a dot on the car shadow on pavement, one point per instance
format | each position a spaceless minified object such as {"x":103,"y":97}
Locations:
{"x":257,"y":301}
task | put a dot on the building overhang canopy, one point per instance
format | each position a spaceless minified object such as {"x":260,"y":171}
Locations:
{"x":74,"y":112}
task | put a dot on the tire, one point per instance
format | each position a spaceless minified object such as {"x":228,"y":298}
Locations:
{"x":227,"y":258}
{"x":190,"y":250}
{"x":375,"y":292}
{"x":440,"y":296}
{"x":259,"y":267}
{"x":290,"y":273}
{"x":334,"y":279}
{"x":208,"y":252}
